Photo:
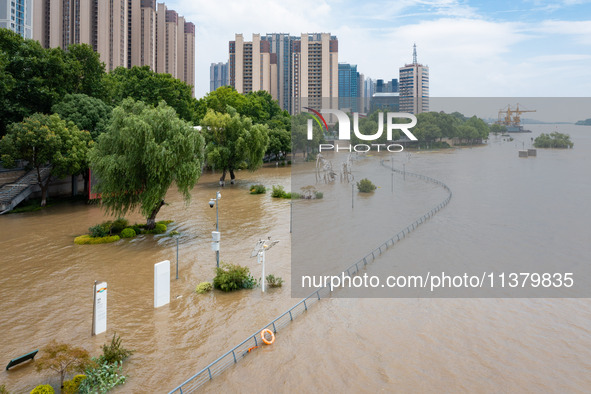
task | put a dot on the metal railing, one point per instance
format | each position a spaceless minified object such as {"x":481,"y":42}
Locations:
{"x":241,"y":350}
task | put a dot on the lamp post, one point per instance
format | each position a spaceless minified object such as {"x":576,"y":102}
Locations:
{"x":175,"y":235}
{"x":216,"y":241}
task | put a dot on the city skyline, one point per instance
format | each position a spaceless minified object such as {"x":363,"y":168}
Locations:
{"x":519,"y":48}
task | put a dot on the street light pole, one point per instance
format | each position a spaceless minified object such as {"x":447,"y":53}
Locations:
{"x":216,"y":234}
{"x":217,"y":225}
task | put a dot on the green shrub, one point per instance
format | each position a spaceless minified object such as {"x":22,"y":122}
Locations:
{"x":289,"y":162}
{"x":88,"y":240}
{"x":553,"y":140}
{"x":98,"y":231}
{"x":72,"y":386}
{"x":295,"y":196}
{"x":250,"y":282}
{"x":128,"y":233}
{"x":257,"y":189}
{"x":231,"y":277}
{"x":278,"y":192}
{"x":160,"y":228}
{"x":118,"y":225}
{"x":114,"y":352}
{"x":43,"y":389}
{"x":273,"y":281}
{"x":102,"y":378}
{"x":3,"y":389}
{"x":318,"y":195}
{"x":365,"y":186}
{"x":203,"y":288}
{"x":137,"y":228}
{"x":166,"y":222}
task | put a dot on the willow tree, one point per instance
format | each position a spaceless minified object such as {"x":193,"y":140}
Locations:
{"x":233,"y":141}
{"x":145,"y":150}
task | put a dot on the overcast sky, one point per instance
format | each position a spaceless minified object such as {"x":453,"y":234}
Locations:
{"x":473,"y":48}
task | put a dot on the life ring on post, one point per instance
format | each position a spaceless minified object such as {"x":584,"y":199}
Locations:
{"x":264,"y":338}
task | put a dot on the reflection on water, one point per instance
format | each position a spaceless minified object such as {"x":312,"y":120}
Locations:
{"x":343,"y":344}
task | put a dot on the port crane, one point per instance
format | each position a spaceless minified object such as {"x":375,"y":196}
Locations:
{"x":511,"y":117}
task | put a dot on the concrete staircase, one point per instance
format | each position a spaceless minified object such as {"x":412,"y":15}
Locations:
{"x":11,"y":194}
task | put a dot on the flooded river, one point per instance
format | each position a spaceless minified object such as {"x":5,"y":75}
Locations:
{"x":350,"y":345}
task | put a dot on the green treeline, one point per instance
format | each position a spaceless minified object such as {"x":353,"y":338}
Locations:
{"x":586,"y":122}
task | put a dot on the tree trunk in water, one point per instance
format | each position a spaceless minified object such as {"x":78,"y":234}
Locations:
{"x":232,"y":177}
{"x":151,"y":223}
{"x":43,"y":187}
{"x":86,"y":181}
{"x":223,"y":178}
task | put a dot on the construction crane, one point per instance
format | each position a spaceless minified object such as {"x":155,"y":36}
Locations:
{"x":511,"y":117}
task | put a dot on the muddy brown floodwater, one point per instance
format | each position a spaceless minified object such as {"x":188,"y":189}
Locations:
{"x":351,"y":345}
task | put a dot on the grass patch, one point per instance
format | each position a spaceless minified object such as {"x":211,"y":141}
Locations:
{"x":88,"y":240}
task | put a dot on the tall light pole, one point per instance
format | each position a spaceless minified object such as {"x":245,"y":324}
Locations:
{"x":216,"y":235}
{"x":175,"y":235}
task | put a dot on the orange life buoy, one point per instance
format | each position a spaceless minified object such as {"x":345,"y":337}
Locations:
{"x":265,"y":340}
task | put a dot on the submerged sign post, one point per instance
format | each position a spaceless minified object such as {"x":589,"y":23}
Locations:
{"x":99,"y":310}
{"x":161,"y":283}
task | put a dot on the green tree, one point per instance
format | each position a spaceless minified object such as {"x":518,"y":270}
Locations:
{"x":279,"y":143}
{"x":219,"y":100}
{"x":88,"y":113}
{"x":299,"y":135}
{"x":261,"y":107}
{"x":87,"y":70}
{"x":44,"y":140}
{"x":497,"y":128}
{"x":63,"y":358}
{"x":33,"y":79}
{"x":553,"y":140}
{"x":143,"y":152}
{"x":232,"y":140}
{"x":143,"y":84}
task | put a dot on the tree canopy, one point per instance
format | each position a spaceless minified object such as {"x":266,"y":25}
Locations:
{"x":46,"y":139}
{"x":143,"y":152}
{"x":143,"y":84}
{"x":88,"y":113}
{"x":233,"y":141}
{"x":33,"y":79}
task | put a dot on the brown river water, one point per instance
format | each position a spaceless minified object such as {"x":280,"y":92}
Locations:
{"x":344,"y":344}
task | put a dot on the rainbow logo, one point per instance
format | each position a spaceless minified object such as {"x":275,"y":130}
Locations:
{"x":101,"y":290}
{"x":319,"y":116}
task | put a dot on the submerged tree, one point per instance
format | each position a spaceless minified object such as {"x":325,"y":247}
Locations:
{"x":63,"y":359}
{"x":233,"y":141}
{"x":46,"y":140}
{"x":143,"y":152}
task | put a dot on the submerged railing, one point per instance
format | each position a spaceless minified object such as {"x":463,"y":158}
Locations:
{"x":239,"y":351}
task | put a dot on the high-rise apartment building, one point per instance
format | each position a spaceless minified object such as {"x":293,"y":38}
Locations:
{"x":252,"y":66}
{"x":414,"y":86}
{"x":315,"y":75}
{"x":146,"y":50}
{"x":303,"y":69}
{"x":125,"y":33}
{"x":218,"y":75}
{"x":281,"y":45}
{"x":17,"y":15}
{"x":188,"y":59}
